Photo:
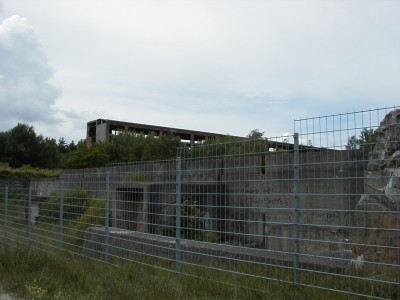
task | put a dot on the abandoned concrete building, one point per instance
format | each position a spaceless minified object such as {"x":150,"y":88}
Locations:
{"x":103,"y":130}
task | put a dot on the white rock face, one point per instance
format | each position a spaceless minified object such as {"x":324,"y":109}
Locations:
{"x":392,"y":189}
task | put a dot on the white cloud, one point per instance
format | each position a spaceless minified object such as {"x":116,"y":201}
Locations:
{"x":26,"y":92}
{"x":221,"y":66}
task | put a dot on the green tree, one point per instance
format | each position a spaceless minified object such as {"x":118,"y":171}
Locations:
{"x":72,"y":146}
{"x":227,"y":145}
{"x":48,"y":155}
{"x":3,"y":141}
{"x":21,"y":146}
{"x":125,"y":147}
{"x":160,"y":147}
{"x":255,"y":134}
{"x":130,"y":147}
{"x":62,"y":145}
{"x":366,"y":140}
{"x":84,"y":157}
{"x":256,"y":143}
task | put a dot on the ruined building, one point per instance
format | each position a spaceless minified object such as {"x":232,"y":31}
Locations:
{"x":102,"y":130}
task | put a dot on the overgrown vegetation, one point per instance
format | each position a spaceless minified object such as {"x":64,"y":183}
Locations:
{"x":253,"y":144}
{"x":26,"y":171}
{"x":191,"y":217}
{"x":92,"y":216}
{"x":22,"y":146}
{"x":125,"y":147}
{"x":192,"y":223}
{"x":34,"y":274}
{"x":75,"y":201}
{"x":83,"y":157}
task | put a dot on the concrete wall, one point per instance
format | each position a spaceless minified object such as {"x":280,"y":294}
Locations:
{"x":132,"y":244}
{"x":331,"y":184}
{"x":15,"y":183}
{"x":249,"y":199}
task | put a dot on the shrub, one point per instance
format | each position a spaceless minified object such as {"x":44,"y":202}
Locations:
{"x":93,"y":215}
{"x":26,"y":171}
{"x":191,"y":215}
{"x":192,"y":227}
{"x":75,"y":203}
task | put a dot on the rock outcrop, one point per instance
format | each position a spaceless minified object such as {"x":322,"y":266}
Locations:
{"x":377,"y":232}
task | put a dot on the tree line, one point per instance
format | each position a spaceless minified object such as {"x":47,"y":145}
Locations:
{"x":21,"y":146}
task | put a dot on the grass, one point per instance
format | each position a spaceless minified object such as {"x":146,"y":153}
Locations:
{"x":34,"y":274}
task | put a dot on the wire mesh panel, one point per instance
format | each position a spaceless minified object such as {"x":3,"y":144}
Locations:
{"x":350,"y":202}
{"x":14,"y":215}
{"x":139,"y":215}
{"x":316,"y":210}
{"x":237,"y":212}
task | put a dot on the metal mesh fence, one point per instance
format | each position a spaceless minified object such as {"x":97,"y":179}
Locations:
{"x":319,"y":209}
{"x":355,"y":162}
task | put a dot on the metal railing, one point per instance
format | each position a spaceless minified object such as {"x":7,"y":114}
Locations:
{"x":320,"y":211}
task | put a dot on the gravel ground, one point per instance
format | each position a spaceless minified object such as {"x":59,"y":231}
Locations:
{"x":4,"y":296}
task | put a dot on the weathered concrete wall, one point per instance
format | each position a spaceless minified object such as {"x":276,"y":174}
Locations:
{"x":15,"y":183}
{"x":330,"y":185}
{"x":132,"y":244}
{"x":250,"y":199}
{"x":44,"y":187}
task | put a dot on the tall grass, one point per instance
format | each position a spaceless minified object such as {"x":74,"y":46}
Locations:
{"x":37,"y":275}
{"x":34,"y":274}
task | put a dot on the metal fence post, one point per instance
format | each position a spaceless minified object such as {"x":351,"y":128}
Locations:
{"x":29,"y":216}
{"x":297,"y":212}
{"x":61,"y":220}
{"x":178,"y":217}
{"x":107,"y":219}
{"x":6,"y":216}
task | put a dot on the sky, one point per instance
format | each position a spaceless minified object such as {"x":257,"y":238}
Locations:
{"x":223,"y":66}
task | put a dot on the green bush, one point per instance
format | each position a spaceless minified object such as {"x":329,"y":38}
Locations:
{"x":75,"y":202}
{"x":93,"y":215}
{"x":192,"y":227}
{"x":191,"y":215}
{"x":26,"y":171}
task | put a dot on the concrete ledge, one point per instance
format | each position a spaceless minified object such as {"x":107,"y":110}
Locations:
{"x":125,"y":243}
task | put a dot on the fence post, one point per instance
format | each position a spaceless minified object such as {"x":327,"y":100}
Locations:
{"x":178,"y":217}
{"x":29,"y":217}
{"x":6,"y":216}
{"x":107,"y":219}
{"x":297,"y":208}
{"x":61,"y":220}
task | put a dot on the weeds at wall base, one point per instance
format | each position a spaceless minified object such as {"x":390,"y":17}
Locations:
{"x":33,"y":274}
